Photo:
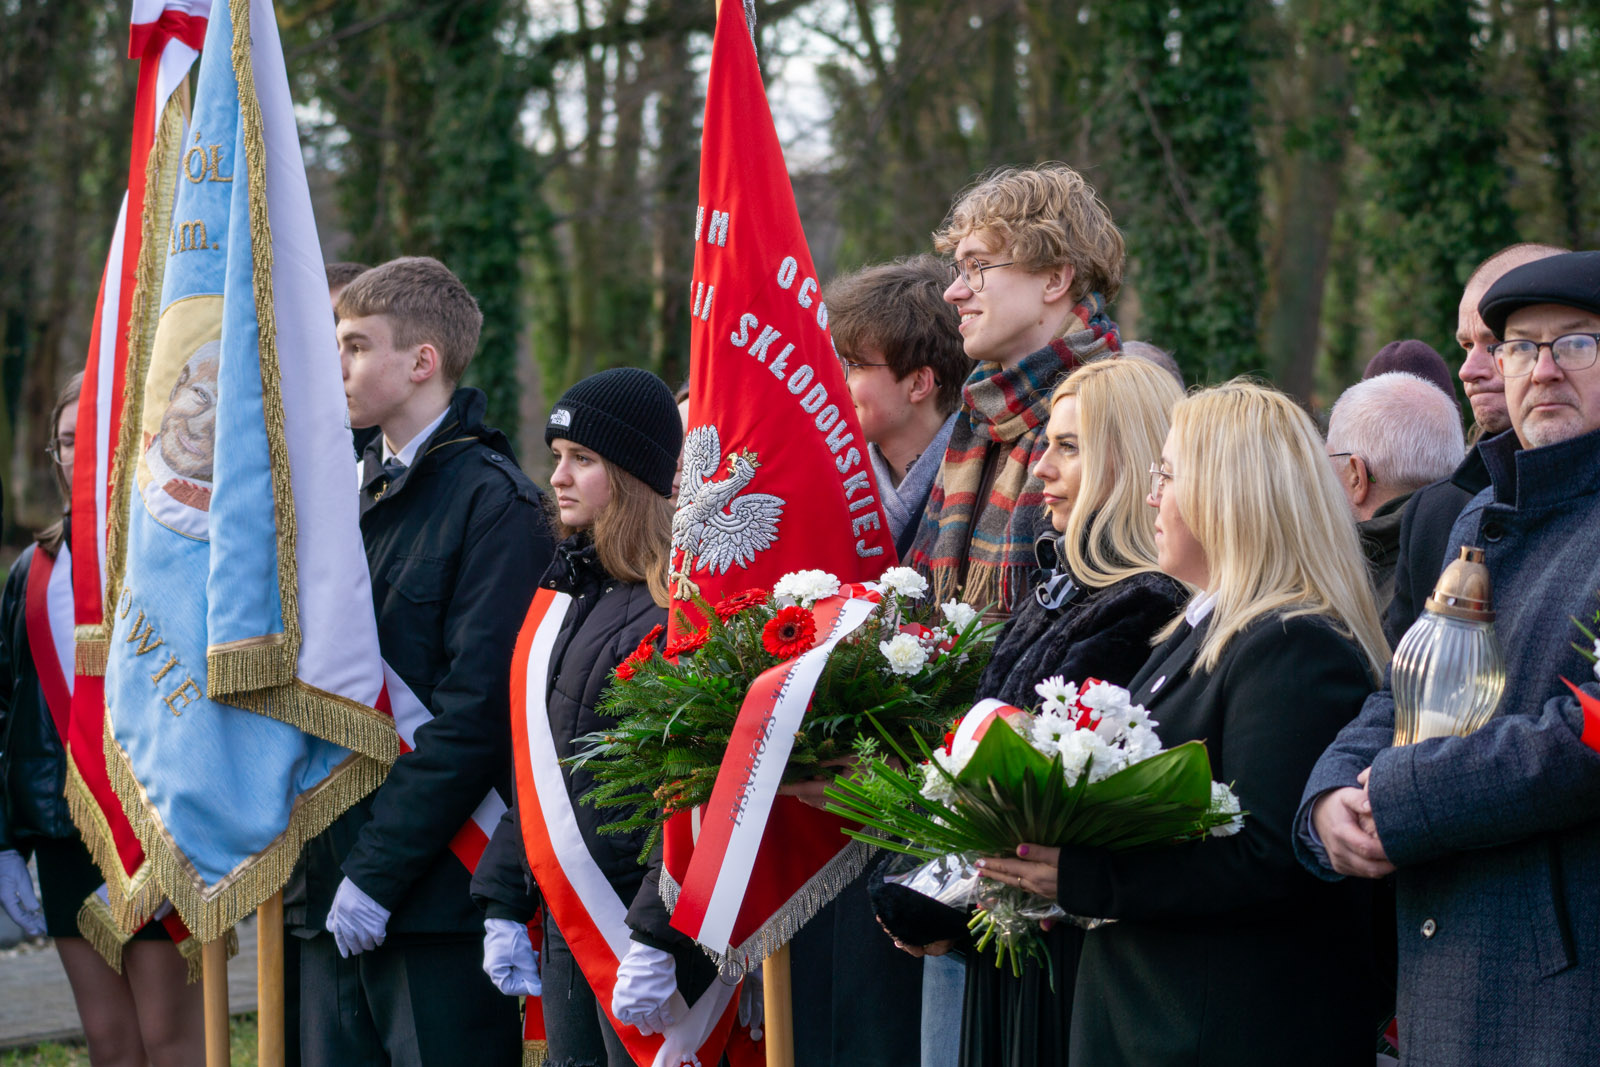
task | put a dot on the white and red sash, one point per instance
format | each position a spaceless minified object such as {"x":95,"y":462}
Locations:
{"x":735,"y":819}
{"x":587,"y":911}
{"x":47,"y":612}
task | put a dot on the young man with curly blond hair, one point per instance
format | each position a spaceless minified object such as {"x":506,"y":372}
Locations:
{"x":1037,"y":260}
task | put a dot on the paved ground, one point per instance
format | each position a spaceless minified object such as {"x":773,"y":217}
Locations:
{"x":36,"y":1002}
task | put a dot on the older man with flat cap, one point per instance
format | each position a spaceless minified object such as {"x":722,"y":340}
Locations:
{"x":1494,"y":838}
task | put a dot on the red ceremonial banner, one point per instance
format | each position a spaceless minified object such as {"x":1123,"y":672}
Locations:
{"x":776,"y":477}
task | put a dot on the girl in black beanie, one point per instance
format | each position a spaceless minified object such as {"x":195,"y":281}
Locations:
{"x":615,"y":438}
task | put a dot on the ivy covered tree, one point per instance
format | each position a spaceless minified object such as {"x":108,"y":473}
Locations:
{"x":1188,"y":180}
{"x":432,"y":162}
{"x":1434,"y":183}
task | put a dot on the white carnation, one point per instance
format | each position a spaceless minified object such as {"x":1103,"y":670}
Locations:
{"x":959,"y":615}
{"x":1057,"y":693}
{"x":904,"y":653}
{"x":1225,"y":803}
{"x":903,"y":581}
{"x":806,"y":587}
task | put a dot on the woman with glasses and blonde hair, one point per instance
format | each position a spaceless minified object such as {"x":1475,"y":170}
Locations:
{"x":1095,"y":613}
{"x":1225,"y":950}
{"x":145,"y":1011}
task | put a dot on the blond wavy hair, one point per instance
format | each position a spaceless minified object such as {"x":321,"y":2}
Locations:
{"x":1048,"y":216}
{"x":1255,"y":487}
{"x":632,"y":534}
{"x":1124,"y":412}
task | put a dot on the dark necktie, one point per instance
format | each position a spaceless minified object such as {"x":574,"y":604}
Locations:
{"x":393,"y":468}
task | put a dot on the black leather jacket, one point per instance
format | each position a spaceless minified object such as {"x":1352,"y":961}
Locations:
{"x":33,"y":759}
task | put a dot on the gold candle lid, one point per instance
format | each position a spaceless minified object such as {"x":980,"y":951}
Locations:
{"x":1463,"y":590}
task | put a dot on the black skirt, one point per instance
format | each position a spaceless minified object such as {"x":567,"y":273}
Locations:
{"x":67,"y":875}
{"x":1007,"y":1021}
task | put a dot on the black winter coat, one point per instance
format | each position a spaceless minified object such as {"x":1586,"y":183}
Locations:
{"x":1100,"y":633}
{"x":455,"y":545}
{"x":33,"y":759}
{"x":1425,"y":538}
{"x":1225,"y":951}
{"x":607,"y":620}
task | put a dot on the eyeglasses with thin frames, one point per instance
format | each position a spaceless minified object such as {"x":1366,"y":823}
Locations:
{"x":970,"y":271}
{"x":61,"y":449}
{"x":1158,"y":480}
{"x":1571,"y":351}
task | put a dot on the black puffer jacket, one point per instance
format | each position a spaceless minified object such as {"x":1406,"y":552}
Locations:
{"x":33,"y":760}
{"x":606,"y":621}
{"x":455,"y":546}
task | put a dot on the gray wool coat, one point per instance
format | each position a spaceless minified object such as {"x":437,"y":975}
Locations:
{"x":1496,"y":836}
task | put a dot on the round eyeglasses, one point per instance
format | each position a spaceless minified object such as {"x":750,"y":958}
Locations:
{"x":970,"y":271}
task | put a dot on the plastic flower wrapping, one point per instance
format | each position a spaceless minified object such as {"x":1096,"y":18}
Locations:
{"x":902,"y":675}
{"x":1084,"y":768}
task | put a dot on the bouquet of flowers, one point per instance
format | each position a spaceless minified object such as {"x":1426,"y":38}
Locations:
{"x":1085,"y":768}
{"x":903,"y":672}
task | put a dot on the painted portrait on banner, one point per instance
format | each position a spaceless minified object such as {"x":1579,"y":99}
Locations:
{"x":180,"y":417}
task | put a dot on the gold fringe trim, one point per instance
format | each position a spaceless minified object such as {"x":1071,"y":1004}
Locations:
{"x":133,"y":897}
{"x":255,"y":154}
{"x":89,"y":647}
{"x":102,"y":932}
{"x":329,"y":716}
{"x":191,"y":948}
{"x":535,"y":1053}
{"x":211,"y":911}
{"x":239,"y":670}
{"x":161,"y":177}
{"x":779,"y":930}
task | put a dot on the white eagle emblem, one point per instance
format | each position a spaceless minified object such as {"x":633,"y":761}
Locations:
{"x":715,"y":526}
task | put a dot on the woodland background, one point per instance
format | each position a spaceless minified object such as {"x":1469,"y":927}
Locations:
{"x":1299,"y":181}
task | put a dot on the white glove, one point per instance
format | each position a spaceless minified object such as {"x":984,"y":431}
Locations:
{"x":646,"y":980}
{"x":509,"y":959}
{"x":16,"y":893}
{"x":356,"y":921}
{"x":752,"y":1004}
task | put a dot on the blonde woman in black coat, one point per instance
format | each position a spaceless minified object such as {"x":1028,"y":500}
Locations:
{"x":1094,"y":615}
{"x":1225,"y":951}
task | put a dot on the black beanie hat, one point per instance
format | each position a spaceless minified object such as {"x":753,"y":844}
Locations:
{"x":1571,"y":279}
{"x":628,"y":416}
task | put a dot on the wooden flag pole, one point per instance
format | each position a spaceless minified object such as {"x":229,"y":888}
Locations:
{"x":779,"y":1006}
{"x":270,"y":1047}
{"x":214,"y":976}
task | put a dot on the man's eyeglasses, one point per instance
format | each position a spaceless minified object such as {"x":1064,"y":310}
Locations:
{"x":970,"y":271}
{"x":851,"y":365}
{"x":1571,"y":351}
{"x":1158,"y":480}
{"x":60,"y":450}
{"x":1373,"y":478}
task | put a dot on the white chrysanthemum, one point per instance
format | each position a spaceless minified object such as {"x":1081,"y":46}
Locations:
{"x":1224,"y":802}
{"x":904,"y":653}
{"x":1597,"y":657}
{"x":903,"y":581}
{"x":1080,"y":750}
{"x":806,"y":587}
{"x":1057,"y":693}
{"x":959,"y":615}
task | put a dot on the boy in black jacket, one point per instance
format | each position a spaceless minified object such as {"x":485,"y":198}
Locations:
{"x":456,"y":539}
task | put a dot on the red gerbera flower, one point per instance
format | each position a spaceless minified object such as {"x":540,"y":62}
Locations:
{"x":625,"y":669}
{"x":683,"y":644}
{"x":791,"y":632}
{"x":647,"y":647}
{"x":729,"y":606}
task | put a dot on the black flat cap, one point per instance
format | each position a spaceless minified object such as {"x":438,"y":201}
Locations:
{"x":1571,"y":279}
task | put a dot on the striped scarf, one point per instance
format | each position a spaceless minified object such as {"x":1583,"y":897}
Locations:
{"x":984,"y":553}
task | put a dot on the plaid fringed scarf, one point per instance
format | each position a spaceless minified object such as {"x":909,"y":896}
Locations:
{"x":990,"y":559}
